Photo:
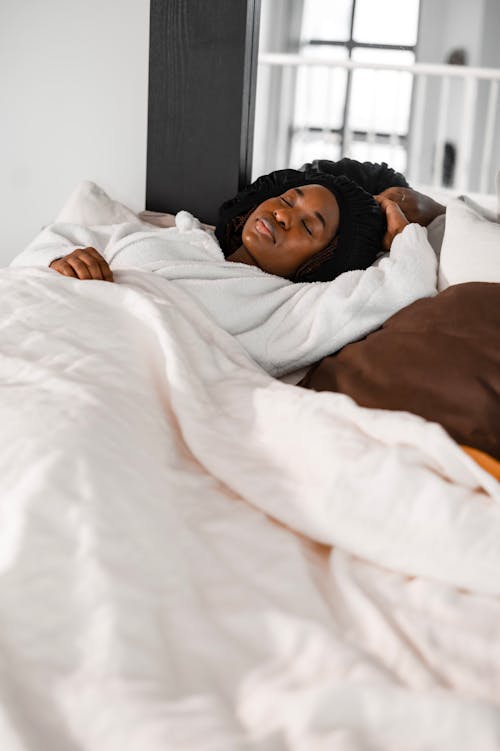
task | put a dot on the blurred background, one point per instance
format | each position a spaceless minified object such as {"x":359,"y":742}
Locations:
{"x":410,"y":82}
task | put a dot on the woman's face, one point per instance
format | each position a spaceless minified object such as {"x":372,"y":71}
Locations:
{"x":285,"y":231}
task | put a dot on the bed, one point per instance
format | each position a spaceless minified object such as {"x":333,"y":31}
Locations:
{"x":195,"y":555}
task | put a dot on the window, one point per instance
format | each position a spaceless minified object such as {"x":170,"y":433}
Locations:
{"x":361,"y":113}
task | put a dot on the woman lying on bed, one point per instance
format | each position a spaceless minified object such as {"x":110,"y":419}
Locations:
{"x":284,"y":231}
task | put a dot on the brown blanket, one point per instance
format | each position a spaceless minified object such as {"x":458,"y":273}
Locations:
{"x":438,"y":358}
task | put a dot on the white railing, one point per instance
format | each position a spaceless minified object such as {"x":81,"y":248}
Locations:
{"x":478,"y":137}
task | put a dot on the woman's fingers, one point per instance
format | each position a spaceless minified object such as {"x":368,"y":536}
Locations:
{"x":390,"y":208}
{"x":97,"y":264}
{"x":84,"y":263}
{"x":81,"y":268}
{"x":417,"y":206}
{"x":63,"y":267}
{"x":396,"y":220}
{"x":382,"y":200}
{"x":389,"y":200}
{"x":394,"y":210}
{"x":92,"y":264}
{"x":106,"y":272}
{"x":398,"y":195}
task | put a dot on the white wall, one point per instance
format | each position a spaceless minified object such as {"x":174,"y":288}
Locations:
{"x":73,"y":96}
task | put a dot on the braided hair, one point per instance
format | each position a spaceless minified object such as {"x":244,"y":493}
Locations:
{"x":361,"y":225}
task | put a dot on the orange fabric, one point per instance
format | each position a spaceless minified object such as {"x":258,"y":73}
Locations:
{"x":485,"y":461}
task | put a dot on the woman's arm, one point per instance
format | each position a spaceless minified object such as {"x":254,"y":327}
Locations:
{"x":73,"y":250}
{"x":417,"y":207}
{"x":58,"y":240}
{"x":309,"y":321}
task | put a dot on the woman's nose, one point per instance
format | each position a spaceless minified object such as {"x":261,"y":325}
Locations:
{"x":282,"y":217}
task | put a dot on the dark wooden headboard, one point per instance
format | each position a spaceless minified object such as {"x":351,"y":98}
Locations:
{"x":202,"y":77}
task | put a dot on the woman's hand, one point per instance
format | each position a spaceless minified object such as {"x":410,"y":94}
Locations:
{"x":83,"y":263}
{"x":396,"y":220}
{"x":417,"y":207}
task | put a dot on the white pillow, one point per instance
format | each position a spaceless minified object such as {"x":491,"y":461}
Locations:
{"x":89,"y":205}
{"x":471,"y":246}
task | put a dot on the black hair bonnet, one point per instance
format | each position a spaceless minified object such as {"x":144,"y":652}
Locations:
{"x":361,"y":229}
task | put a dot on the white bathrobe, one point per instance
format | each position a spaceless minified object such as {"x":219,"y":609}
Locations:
{"x":282,"y":325}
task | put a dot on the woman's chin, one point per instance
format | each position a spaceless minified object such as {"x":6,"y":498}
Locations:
{"x":243,"y":255}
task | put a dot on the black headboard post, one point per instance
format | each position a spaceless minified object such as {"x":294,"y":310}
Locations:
{"x":202,"y":80}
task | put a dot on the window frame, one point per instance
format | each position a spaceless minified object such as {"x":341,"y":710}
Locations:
{"x":344,"y":131}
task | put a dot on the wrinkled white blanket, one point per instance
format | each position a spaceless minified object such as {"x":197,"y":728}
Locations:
{"x":147,"y":603}
{"x":284,"y":326}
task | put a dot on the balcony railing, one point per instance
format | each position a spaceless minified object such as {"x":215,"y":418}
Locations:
{"x":438,"y":106}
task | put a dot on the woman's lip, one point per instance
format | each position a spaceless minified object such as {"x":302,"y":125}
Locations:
{"x":264,"y":227}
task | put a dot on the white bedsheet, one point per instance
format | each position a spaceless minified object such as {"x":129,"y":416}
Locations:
{"x":146,"y":601}
{"x":283,"y":325}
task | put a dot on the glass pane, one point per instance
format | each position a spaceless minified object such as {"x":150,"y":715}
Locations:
{"x":381,"y":99}
{"x":307,"y":146}
{"x":320,"y":91}
{"x":394,"y":154}
{"x":326,"y":19}
{"x":386,"y":21}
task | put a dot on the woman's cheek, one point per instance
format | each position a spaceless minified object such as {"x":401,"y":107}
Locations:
{"x":250,"y":239}
{"x":245,"y":236}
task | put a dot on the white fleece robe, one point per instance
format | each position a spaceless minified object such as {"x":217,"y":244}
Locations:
{"x":282,"y":325}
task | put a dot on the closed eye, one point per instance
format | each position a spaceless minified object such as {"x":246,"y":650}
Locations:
{"x":289,"y":203}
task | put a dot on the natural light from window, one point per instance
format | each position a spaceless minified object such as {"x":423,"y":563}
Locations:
{"x":364,"y":112}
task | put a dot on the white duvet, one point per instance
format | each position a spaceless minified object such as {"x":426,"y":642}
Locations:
{"x":282,"y":325}
{"x":150,"y":601}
